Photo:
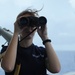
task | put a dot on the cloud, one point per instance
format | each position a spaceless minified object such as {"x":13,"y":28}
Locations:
{"x":22,"y":3}
{"x":64,"y":47}
{"x":66,"y":34}
{"x":72,"y":2}
{"x":18,"y":3}
{"x":2,"y":1}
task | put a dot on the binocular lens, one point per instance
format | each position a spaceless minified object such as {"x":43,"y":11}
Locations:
{"x":23,"y":21}
{"x":32,"y":21}
{"x":42,"y":21}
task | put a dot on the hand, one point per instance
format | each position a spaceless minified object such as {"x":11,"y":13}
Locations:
{"x":42,"y":31}
{"x":17,"y":28}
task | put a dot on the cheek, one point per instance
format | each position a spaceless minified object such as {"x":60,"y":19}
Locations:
{"x":32,"y":34}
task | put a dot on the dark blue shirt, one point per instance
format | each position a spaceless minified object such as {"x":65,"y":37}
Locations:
{"x":32,"y":60}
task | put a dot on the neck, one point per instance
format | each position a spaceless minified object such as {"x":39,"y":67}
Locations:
{"x":26,"y":43}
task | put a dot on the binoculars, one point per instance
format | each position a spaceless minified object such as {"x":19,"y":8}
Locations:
{"x":32,"y":21}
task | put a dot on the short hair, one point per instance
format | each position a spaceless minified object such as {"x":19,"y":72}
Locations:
{"x":32,"y":12}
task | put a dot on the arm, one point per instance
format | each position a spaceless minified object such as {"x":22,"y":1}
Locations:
{"x":2,"y":54}
{"x":52,"y":62}
{"x":8,"y":61}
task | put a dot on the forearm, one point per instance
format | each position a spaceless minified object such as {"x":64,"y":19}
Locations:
{"x":9,"y":58}
{"x":53,"y":61}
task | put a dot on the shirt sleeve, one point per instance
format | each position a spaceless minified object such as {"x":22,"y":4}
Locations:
{"x":2,"y":52}
{"x":3,"y":49}
{"x":43,"y":50}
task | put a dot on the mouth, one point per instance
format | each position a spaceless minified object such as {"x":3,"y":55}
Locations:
{"x":26,"y":31}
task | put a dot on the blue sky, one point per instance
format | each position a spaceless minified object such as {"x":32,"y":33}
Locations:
{"x":60,"y":16}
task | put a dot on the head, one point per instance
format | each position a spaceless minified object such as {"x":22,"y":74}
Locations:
{"x":31,"y":12}
{"x":27,"y":29}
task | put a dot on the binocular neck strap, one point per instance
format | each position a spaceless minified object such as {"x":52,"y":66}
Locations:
{"x":28,"y":34}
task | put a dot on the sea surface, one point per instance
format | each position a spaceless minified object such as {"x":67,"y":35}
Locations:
{"x":67,"y":60}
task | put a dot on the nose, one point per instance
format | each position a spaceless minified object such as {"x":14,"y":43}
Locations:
{"x":30,"y":28}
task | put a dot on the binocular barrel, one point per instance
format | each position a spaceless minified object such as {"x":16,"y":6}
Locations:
{"x":32,"y":21}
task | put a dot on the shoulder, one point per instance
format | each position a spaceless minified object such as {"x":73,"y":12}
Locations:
{"x":40,"y":49}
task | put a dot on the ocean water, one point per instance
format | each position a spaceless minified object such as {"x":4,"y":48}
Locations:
{"x":67,"y":60}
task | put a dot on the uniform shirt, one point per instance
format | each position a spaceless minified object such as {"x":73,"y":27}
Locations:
{"x":32,"y":60}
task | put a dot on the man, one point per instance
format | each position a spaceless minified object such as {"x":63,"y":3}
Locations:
{"x":22,"y":57}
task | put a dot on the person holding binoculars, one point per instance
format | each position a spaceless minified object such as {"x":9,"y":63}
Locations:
{"x":22,"y":57}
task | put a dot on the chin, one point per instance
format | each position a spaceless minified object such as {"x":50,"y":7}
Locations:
{"x":29,"y":37}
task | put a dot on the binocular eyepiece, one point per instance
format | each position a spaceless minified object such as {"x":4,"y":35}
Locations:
{"x":32,"y":21}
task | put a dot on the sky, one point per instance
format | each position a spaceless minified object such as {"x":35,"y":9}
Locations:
{"x":60,"y":16}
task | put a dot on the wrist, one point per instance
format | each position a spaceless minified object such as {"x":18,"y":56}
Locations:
{"x":44,"y":38}
{"x":15,"y":33}
{"x":45,"y":41}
